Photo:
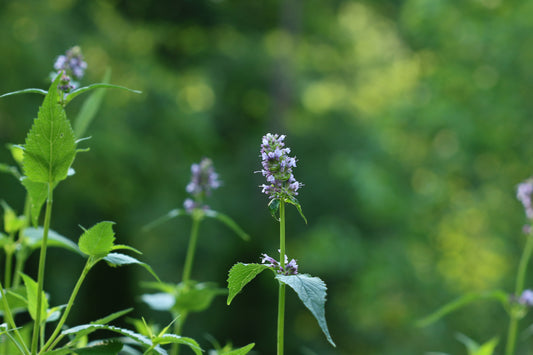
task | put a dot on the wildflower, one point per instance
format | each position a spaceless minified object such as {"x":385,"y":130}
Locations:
{"x":291,"y":268}
{"x":72,"y":66}
{"x":203,"y":180}
{"x":526,"y":298}
{"x":277,"y":168}
{"x":523,"y":194}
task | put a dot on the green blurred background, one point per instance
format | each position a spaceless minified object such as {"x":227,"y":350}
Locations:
{"x":410,"y":120}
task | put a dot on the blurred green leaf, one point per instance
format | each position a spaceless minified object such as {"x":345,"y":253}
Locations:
{"x":171,"y":214}
{"x":117,"y":259}
{"x":476,"y":349}
{"x":228,"y":222}
{"x":84,"y":89}
{"x":25,"y":91}
{"x":35,"y":236}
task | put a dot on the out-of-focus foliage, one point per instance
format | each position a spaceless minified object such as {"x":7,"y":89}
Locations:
{"x":410,"y":121}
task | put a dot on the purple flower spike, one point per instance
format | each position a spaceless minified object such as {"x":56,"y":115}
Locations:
{"x":291,"y":268}
{"x":526,"y":298}
{"x":72,"y":65}
{"x":523,"y":194}
{"x":277,"y":169}
{"x":204,"y":179}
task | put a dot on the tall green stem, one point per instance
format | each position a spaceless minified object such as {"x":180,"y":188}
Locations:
{"x":50,"y":343}
{"x":520,"y":279}
{"x":281,"y":302}
{"x":40,"y":277}
{"x":9,"y":262}
{"x":8,"y":316}
{"x":175,"y":349}
{"x":192,"y":247}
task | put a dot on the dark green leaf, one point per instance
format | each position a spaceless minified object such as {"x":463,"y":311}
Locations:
{"x":112,"y":316}
{"x":312,"y":292}
{"x":240,"y":351}
{"x":17,"y":300}
{"x":38,"y":193}
{"x":109,"y":348}
{"x":195,"y":297}
{"x":241,"y":274}
{"x":462,"y":301}
{"x":176,"y":339}
{"x":116,"y":259}
{"x":293,"y":201}
{"x":31,"y":291}
{"x":273,"y":207}
{"x":84,"y":89}
{"x":98,"y":240}
{"x":25,"y":91}
{"x":50,"y":145}
{"x":228,"y":222}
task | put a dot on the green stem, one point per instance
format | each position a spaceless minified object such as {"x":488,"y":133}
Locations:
{"x":174,"y":350}
{"x":10,"y":320}
{"x":520,"y":279}
{"x":9,"y":262}
{"x":50,"y":343}
{"x":21,"y":254}
{"x":40,"y":277}
{"x":192,"y":247}
{"x":281,"y":302}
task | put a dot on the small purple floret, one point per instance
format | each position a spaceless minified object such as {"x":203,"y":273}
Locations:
{"x":277,"y":169}
{"x":204,"y":179}
{"x":526,"y":298}
{"x":72,"y":65}
{"x":523,"y":194}
{"x":291,"y":268}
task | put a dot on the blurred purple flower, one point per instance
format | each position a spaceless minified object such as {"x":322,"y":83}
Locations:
{"x":526,"y":298}
{"x":523,"y":194}
{"x":73,"y":66}
{"x":203,"y":180}
{"x":277,"y":168}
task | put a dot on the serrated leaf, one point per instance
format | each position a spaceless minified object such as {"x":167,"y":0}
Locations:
{"x":38,"y":193}
{"x":31,"y":292}
{"x":90,"y":107}
{"x":86,"y":329}
{"x":117,"y":259}
{"x":228,"y":222}
{"x":50,"y":145}
{"x":98,"y":240}
{"x":240,"y":275}
{"x":462,"y":301}
{"x":176,"y":339}
{"x":112,"y":316}
{"x":240,"y":351}
{"x":195,"y":297}
{"x":84,"y":89}
{"x":108,"y":348}
{"x":312,"y":292}
{"x":35,"y":237}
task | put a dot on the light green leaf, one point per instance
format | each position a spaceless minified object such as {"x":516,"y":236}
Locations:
{"x":38,"y":192}
{"x":17,"y":300}
{"x":312,"y":292}
{"x":476,"y":349}
{"x":160,"y":301}
{"x":112,"y":316}
{"x":98,"y":240}
{"x":195,"y":297}
{"x":50,"y":145}
{"x":35,"y":237}
{"x":240,"y":351}
{"x":90,"y":108}
{"x":84,"y":89}
{"x":4,"y":168}
{"x":31,"y":291}
{"x":87,"y":329}
{"x":117,"y":259}
{"x":17,"y":152}
{"x":462,"y":301}
{"x":12,"y":222}
{"x":25,"y":91}
{"x":228,"y":222}
{"x":241,"y":274}
{"x":176,"y":339}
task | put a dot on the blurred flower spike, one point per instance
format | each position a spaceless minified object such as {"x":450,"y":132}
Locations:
{"x":277,"y":169}
{"x":203,"y":180}
{"x":291,"y":268}
{"x":72,"y":66}
{"x":523,"y":194}
{"x":526,"y":298}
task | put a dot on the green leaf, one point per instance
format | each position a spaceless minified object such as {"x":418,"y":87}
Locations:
{"x":50,"y":145}
{"x":195,"y":297}
{"x":171,"y":214}
{"x":4,"y":168}
{"x":293,"y":201}
{"x":84,"y":89}
{"x":273,"y":207}
{"x":476,"y":349}
{"x":462,"y":301}
{"x":17,"y":152}
{"x":90,"y":108}
{"x":26,"y":91}
{"x":12,"y":222}
{"x":112,"y":316}
{"x":108,"y":348}
{"x":35,"y":237}
{"x":241,"y":274}
{"x":312,"y":292}
{"x":240,"y":351}
{"x":117,"y":259}
{"x":176,"y":339}
{"x":98,"y":240}
{"x":31,"y":291}
{"x":87,"y":329}
{"x":228,"y":222}
{"x":160,"y":301}
{"x":38,"y":193}
{"x":17,"y":300}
